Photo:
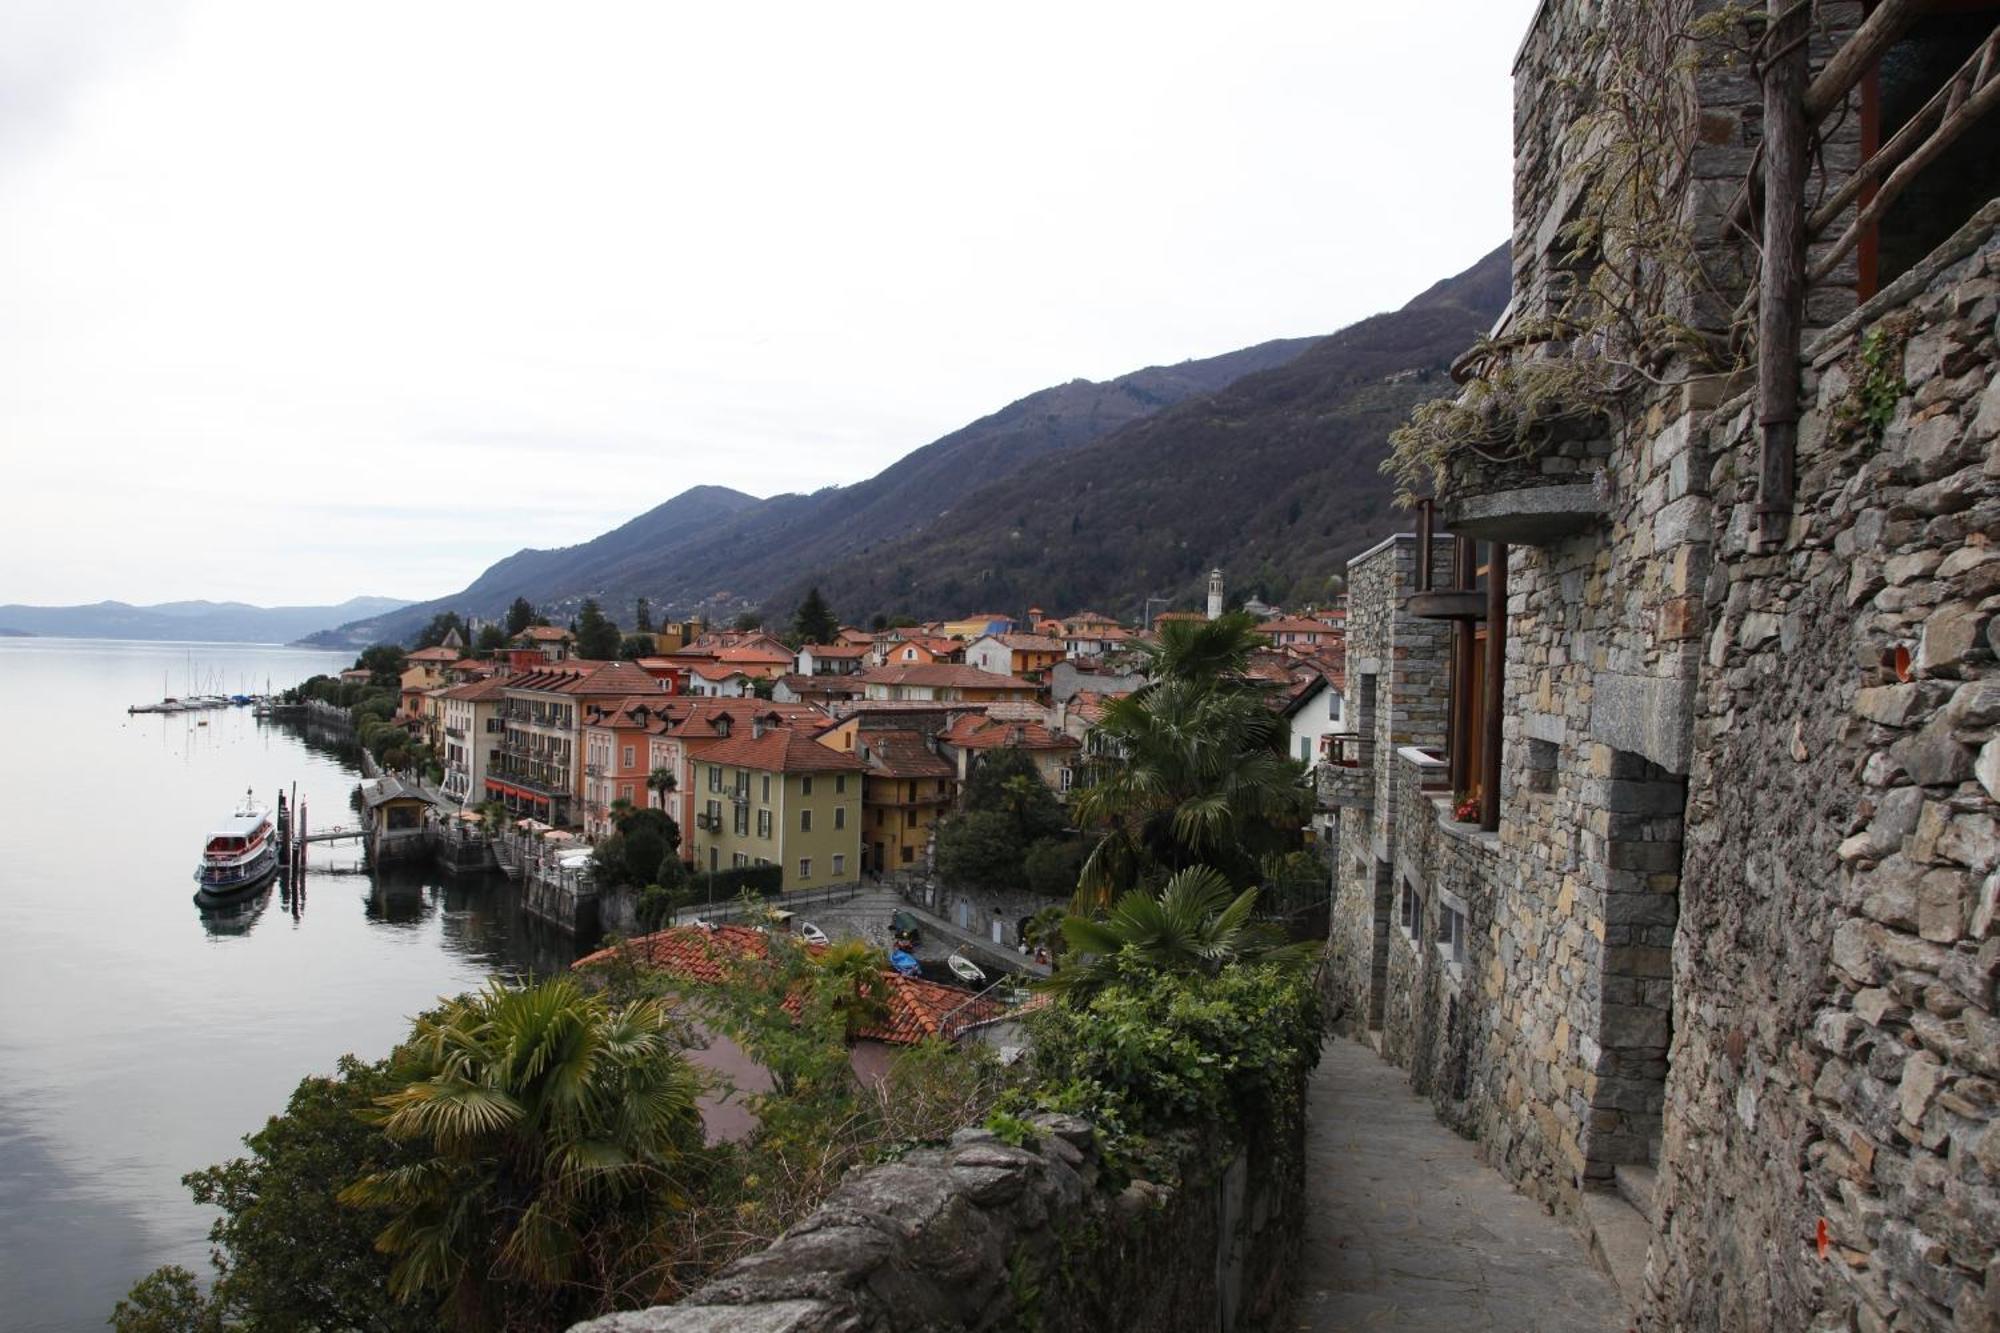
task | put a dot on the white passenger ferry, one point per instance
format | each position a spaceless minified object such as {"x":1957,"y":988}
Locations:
{"x":239,"y":855}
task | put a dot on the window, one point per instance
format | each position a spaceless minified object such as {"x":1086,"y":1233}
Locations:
{"x":763,"y":823}
{"x":715,"y":816}
{"x":741,"y":822}
{"x":805,"y":867}
{"x":909,"y":819}
{"x":839,"y":864}
{"x":1413,"y":913}
{"x":629,"y":760}
{"x":1451,"y":932}
{"x":767,"y":789}
{"x":714,"y":777}
{"x":909,"y":853}
{"x":737,"y":860}
{"x":840,"y":816}
{"x":839,"y":782}
{"x":806,"y":785}
{"x":1306,"y":750}
{"x":805,"y":821}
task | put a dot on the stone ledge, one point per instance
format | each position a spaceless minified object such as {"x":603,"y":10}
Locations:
{"x":1530,"y":516}
{"x":1447,"y":605}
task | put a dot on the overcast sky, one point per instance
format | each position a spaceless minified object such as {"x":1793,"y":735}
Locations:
{"x":304,"y":301}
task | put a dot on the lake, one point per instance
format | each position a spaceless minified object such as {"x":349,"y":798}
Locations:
{"x":142,"y":1040}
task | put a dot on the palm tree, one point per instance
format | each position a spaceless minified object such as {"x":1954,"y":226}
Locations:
{"x":851,"y":972}
{"x":621,"y":809}
{"x":547,"y":1128}
{"x":1193,"y":926}
{"x":662,"y":782}
{"x":1204,"y":652}
{"x":1199,"y":780}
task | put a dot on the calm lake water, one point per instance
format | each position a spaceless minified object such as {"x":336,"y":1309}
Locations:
{"x":141,"y":1039}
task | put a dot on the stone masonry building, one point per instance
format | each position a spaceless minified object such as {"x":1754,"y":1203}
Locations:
{"x":1669,"y":854}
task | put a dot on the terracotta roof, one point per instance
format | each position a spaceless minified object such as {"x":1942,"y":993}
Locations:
{"x":836,"y":649}
{"x":586,"y":678}
{"x":1030,"y":643}
{"x":434,"y":655}
{"x":698,"y":722}
{"x":778,"y":750}
{"x":984,"y":733}
{"x":917,"y":1008}
{"x":1294,"y":625}
{"x":902,"y":754}
{"x":485,"y":688}
{"x":708,"y":670}
{"x":942,"y":673}
{"x":845,"y":686}
{"x":753,"y":654}
{"x":544,"y":633}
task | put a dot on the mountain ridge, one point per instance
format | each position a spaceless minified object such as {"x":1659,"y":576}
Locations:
{"x":198,"y":620}
{"x":727,"y":561}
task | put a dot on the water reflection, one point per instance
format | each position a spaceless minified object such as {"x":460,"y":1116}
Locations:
{"x":160,"y":1033}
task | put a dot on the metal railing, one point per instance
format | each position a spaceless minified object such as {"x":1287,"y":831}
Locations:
{"x":1347,"y":749}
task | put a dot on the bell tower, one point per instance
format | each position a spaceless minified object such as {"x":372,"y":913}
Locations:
{"x":1214,"y":593}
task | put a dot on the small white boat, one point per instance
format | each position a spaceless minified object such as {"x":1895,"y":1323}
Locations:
{"x":965,"y":969}
{"x":812,"y":934}
{"x":239,"y":855}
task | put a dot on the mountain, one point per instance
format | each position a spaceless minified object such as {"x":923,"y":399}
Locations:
{"x":195,"y":622}
{"x":717,"y":551}
{"x":1276,"y":478}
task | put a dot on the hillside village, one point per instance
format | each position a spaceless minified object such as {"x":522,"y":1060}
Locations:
{"x":829,"y":761}
{"x":1648,"y":786}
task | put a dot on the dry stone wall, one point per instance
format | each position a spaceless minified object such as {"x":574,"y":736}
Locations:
{"x":1833,"y":1153}
{"x":981,"y":1234}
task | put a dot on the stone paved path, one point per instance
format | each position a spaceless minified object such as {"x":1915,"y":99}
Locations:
{"x":1408,"y":1229}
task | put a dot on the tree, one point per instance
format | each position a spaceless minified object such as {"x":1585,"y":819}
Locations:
{"x":597,"y":636}
{"x":288,"y":1253}
{"x":642,"y":616}
{"x":980,"y":849}
{"x":850,"y":973}
{"x":490,"y":641}
{"x":520,"y":615}
{"x":747,"y":622}
{"x":441,"y":626}
{"x":879,"y":623}
{"x":544,"y":1131}
{"x":814,"y":622}
{"x":662,"y":783}
{"x":1053,"y":865}
{"x":1008,"y":781}
{"x":635,"y":854}
{"x":635,"y":646}
{"x":1203,"y":652}
{"x":1194,"y":925}
{"x":385,"y":662}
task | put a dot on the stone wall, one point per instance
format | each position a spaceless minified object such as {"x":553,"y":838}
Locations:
{"x":1836,"y":1058}
{"x":982,"y":1235}
{"x":1396,"y":692}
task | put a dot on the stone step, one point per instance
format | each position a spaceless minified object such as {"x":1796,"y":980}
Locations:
{"x":1618,"y":1240}
{"x":1636,"y":1185}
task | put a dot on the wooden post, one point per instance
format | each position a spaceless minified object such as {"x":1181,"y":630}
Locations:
{"x":1424,"y":523}
{"x":1781,"y":277}
{"x":1458,"y":751}
{"x":1496,"y":680}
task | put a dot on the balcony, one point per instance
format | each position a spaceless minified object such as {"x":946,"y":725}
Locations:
{"x":456,"y":733}
{"x":1345,"y":775}
{"x":1520,"y":462}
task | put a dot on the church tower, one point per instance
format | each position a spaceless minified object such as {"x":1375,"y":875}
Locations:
{"x":1214,"y":593}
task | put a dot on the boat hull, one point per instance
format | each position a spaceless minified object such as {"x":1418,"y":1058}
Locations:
{"x":221,"y":884}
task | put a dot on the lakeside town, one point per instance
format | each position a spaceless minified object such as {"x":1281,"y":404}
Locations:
{"x":821,"y":755}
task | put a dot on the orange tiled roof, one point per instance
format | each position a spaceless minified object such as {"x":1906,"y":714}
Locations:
{"x":481,"y":690}
{"x":942,"y":673}
{"x":778,"y":750}
{"x":439,"y":654}
{"x":902,"y":754}
{"x":585,"y":677}
{"x":985,"y":733}
{"x":544,"y":633}
{"x":1030,"y":643}
{"x":1294,"y":625}
{"x":917,"y":1008}
{"x":836,"y":649}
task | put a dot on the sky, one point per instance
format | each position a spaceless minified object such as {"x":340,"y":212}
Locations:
{"x":300,"y":302}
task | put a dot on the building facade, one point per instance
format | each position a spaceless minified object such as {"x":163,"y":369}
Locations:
{"x":775,"y":796}
{"x":1668,"y":841}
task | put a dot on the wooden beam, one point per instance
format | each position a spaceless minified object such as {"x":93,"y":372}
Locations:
{"x":1496,"y":682}
{"x":1955,"y":123}
{"x":1857,"y":55}
{"x":1781,"y":276}
{"x":1459,"y":747}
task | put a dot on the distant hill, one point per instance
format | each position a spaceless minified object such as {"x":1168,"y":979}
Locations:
{"x":1276,"y":478}
{"x":717,"y":551}
{"x":201,"y":622}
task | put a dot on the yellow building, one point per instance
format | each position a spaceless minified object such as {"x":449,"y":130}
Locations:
{"x":906,"y":788}
{"x":774,"y":796}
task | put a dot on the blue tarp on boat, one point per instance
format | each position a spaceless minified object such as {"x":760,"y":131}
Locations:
{"x":904,"y":963}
